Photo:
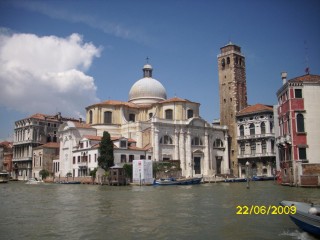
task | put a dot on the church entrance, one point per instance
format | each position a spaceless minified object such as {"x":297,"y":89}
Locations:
{"x":197,"y":165}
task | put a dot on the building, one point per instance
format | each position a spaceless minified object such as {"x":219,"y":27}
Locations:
{"x":43,"y":157}
{"x":29,"y":133}
{"x":168,"y":129}
{"x":233,"y":94}
{"x":6,"y":156}
{"x":256,"y":140}
{"x":298,"y":139}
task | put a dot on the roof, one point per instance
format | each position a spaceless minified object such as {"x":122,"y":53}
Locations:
{"x":6,"y":144}
{"x":82,"y":125}
{"x":118,"y":103}
{"x":176,"y":99}
{"x":49,"y":145}
{"x":306,"y":78}
{"x":93,"y":137}
{"x":130,"y":140}
{"x":255,"y":109}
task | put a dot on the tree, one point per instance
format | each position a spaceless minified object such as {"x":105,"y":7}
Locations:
{"x":128,"y":170}
{"x":93,"y":174}
{"x":106,"y":158}
{"x":44,"y":173}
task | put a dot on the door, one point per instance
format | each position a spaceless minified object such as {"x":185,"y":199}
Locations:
{"x":197,"y":166}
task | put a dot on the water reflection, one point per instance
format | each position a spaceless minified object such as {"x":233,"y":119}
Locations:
{"x":174,"y":212}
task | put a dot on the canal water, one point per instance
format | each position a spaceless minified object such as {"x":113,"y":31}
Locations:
{"x":206,"y":211}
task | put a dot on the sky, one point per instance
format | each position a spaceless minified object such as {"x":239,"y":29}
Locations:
{"x":62,"y":56}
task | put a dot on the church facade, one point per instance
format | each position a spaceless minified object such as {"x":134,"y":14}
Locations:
{"x":167,"y":129}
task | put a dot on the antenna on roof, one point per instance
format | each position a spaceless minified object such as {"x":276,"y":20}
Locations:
{"x":147,"y":59}
{"x":307,"y":70}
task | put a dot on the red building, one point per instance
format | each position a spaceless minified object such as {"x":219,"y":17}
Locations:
{"x":298,"y":137}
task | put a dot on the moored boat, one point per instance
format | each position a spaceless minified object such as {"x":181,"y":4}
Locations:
{"x":4,"y":177}
{"x":235,"y":180}
{"x":306,"y":216}
{"x":177,"y":181}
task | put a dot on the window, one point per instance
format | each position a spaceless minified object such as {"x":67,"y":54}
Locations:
{"x":228,"y":60}
{"x":242,"y":149}
{"x":90,"y":117}
{"x":132,"y":117}
{"x":74,"y":160}
{"x":298,"y":93}
{"x":108,"y":117}
{"x":300,"y":123}
{"x":223,"y":63}
{"x":150,"y":115}
{"x":236,"y":60}
{"x":302,"y":153}
{"x":166,"y":140}
{"x":190,"y":113}
{"x":89,"y":158}
{"x":123,"y":158}
{"x":95,"y":157}
{"x":272,"y":146}
{"x":253,"y":148}
{"x":252,"y":129}
{"x":264,"y":146}
{"x":142,"y":157}
{"x":169,"y":114}
{"x":241,"y":131}
{"x":78,"y":159}
{"x":123,"y":144}
{"x":271,"y":127}
{"x":131,"y":158}
{"x":217,"y":143}
{"x":196,"y":141}
{"x":263,"y":128}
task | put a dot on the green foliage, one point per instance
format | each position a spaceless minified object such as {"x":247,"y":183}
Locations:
{"x":165,"y":167}
{"x":128,"y":170}
{"x":44,"y":173}
{"x":93,"y":172}
{"x":106,"y":158}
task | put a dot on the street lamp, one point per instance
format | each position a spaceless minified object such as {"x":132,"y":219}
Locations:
{"x":247,"y":165}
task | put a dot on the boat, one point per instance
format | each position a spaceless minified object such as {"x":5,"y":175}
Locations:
{"x":262,"y":178}
{"x":177,"y":181}
{"x":306,"y":217}
{"x":235,"y":180}
{"x":4,"y":177}
{"x":34,"y":181}
{"x":71,"y":182}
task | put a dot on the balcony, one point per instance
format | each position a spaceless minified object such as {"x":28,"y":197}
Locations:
{"x":255,"y":136}
{"x":256,"y":155}
{"x":286,"y":139}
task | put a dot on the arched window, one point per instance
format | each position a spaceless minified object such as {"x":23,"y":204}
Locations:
{"x":252,"y":129}
{"x":196,"y":141}
{"x":263,"y":128}
{"x":169,"y":114}
{"x":271,"y":127}
{"x":264,"y":146}
{"x":166,"y":140}
{"x":90,"y":117}
{"x":241,"y":131}
{"x":190,"y":113}
{"x":300,"y":123}
{"x":132,"y":117}
{"x":228,"y":60}
{"x":107,"y":117}
{"x":223,"y":63}
{"x":236,"y":60}
{"x":218,"y":143}
{"x":150,"y":115}
{"x":253,"y":148}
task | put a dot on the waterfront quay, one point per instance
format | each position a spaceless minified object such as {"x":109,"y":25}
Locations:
{"x":205,"y":211}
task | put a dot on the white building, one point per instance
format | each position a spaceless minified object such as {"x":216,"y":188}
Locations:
{"x":167,"y":129}
{"x":256,"y":140}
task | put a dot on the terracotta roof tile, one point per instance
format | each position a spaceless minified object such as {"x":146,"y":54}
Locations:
{"x":176,"y":99}
{"x":92,"y":137}
{"x":306,"y":78}
{"x":49,"y":145}
{"x":82,"y":125}
{"x":255,"y":109}
{"x":119,"y":103}
{"x":6,"y":144}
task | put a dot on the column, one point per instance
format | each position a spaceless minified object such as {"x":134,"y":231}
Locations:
{"x":176,"y":144}
{"x":182,"y":152}
{"x":189,"y":155}
{"x":226,"y":167}
{"x":156,"y":144}
{"x":206,"y":160}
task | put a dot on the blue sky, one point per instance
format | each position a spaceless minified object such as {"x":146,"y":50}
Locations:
{"x":61,"y":56}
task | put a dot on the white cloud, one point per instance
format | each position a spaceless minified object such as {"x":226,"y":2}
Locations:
{"x":46,"y":74}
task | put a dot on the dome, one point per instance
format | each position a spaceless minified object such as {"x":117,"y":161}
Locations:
{"x":147,"y":90}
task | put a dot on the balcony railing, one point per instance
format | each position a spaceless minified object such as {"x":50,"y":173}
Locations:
{"x":254,"y":155}
{"x":284,"y":139}
{"x":255,"y":136}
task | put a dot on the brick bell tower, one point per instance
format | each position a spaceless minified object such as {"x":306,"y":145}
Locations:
{"x":233,"y":94}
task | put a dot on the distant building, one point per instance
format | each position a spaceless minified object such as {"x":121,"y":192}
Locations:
{"x":6,"y":156}
{"x":256,"y":140}
{"x":29,"y":133}
{"x":233,"y":95}
{"x":298,"y":139}
{"x":43,"y":157}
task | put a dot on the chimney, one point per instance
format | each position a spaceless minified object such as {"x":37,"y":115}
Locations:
{"x":284,"y":77}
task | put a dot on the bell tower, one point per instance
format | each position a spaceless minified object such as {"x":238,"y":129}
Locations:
{"x":233,"y":94}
